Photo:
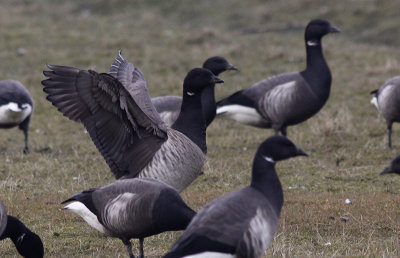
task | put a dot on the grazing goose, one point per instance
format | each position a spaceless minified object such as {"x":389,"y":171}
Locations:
{"x":285,"y":99}
{"x":132,"y":208}
{"x":117,"y":112}
{"x":241,"y":223}
{"x":16,"y":107}
{"x":169,"y":106}
{"x":28,"y":244}
{"x":393,"y":167}
{"x":387,"y":101}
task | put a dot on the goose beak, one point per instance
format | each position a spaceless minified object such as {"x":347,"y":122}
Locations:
{"x":233,"y":68}
{"x":387,"y":170}
{"x":218,"y":80}
{"x":300,"y":152}
{"x":334,"y":29}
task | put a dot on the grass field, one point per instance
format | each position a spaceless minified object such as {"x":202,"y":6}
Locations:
{"x":346,"y":141}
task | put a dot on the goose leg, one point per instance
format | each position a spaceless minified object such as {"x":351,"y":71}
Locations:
{"x":284,"y":131}
{"x":26,"y":149}
{"x":389,"y":131}
{"x":141,"y":255}
{"x":128,"y":245}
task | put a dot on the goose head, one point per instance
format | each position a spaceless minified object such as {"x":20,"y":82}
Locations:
{"x":198,"y":79}
{"x":316,"y":29}
{"x":218,"y":64}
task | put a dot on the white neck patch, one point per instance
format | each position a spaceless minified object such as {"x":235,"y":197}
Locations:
{"x":312,"y":43}
{"x":190,"y":93}
{"x":269,"y":159}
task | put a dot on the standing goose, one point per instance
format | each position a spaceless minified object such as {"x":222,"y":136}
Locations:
{"x":169,"y":106}
{"x":117,"y":112}
{"x":241,"y":223}
{"x":28,"y":244}
{"x":132,"y":208}
{"x":387,"y":101}
{"x":16,"y":107}
{"x":285,"y":99}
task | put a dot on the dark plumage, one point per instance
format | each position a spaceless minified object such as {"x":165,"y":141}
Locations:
{"x":132,"y":208}
{"x":242,"y":222}
{"x":169,"y":106}
{"x":117,"y":112}
{"x":28,"y":244}
{"x":387,"y":101}
{"x":393,"y":167}
{"x":16,"y":107}
{"x":285,"y":99}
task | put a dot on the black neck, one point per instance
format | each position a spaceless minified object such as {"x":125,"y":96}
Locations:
{"x":317,"y":73}
{"x":190,"y":121}
{"x":265,"y":179}
{"x":14,"y":229}
{"x":209,"y":105}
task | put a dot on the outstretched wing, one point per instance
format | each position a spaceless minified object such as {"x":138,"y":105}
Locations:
{"x":134,"y":82}
{"x":122,"y":132}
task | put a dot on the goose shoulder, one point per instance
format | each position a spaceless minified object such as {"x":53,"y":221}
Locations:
{"x":125,"y":207}
{"x":234,"y":221}
{"x":178,"y":162}
{"x":15,"y":91}
{"x":289,"y":101}
{"x":117,"y":113}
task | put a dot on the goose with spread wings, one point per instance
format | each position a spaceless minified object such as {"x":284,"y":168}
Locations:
{"x":117,"y":112}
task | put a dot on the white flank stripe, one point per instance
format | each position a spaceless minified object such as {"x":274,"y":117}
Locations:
{"x":116,"y":213}
{"x":12,"y":114}
{"x":90,"y":218}
{"x":259,"y":234}
{"x":210,"y":255}
{"x":242,"y":114}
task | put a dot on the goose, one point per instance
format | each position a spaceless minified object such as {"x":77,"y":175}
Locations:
{"x":16,"y":107}
{"x":241,"y":223}
{"x":132,"y":208}
{"x":393,"y":167}
{"x":387,"y":101}
{"x":169,"y":106}
{"x":28,"y":244}
{"x":117,"y":112}
{"x":285,"y":99}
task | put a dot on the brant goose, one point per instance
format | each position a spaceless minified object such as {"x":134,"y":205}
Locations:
{"x":243,"y":222}
{"x":117,"y":112}
{"x":169,"y":106}
{"x":16,"y":107}
{"x":285,"y":99}
{"x":28,"y":244}
{"x":132,"y":208}
{"x":387,"y":101}
{"x":393,"y":167}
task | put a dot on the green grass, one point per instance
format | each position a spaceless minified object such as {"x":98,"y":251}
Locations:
{"x":167,"y":38}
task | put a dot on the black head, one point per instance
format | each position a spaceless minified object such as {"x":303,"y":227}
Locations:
{"x":318,"y":28}
{"x":218,"y":64}
{"x":393,"y":167}
{"x":30,"y":245}
{"x":278,"y":148}
{"x":198,"y":79}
